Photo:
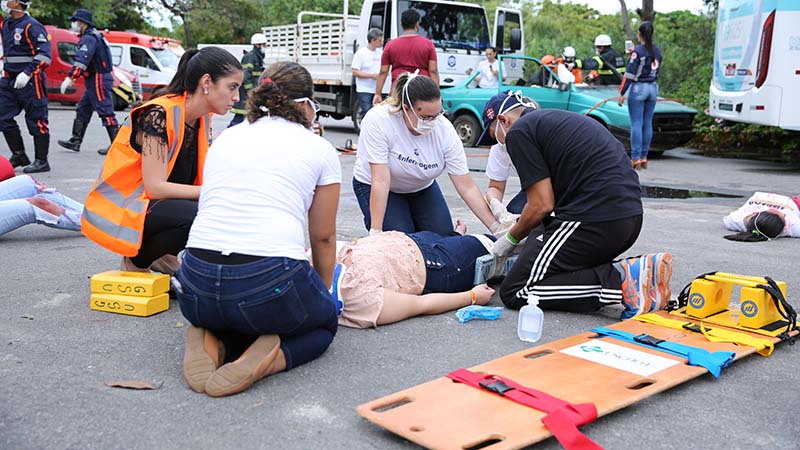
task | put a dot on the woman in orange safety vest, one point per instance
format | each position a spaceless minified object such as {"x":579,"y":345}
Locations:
{"x":145,"y":199}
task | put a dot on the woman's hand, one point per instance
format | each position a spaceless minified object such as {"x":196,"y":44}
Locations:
{"x":621,"y":100}
{"x":483,"y":293}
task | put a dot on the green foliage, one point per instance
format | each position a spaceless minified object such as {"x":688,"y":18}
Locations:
{"x":111,"y":14}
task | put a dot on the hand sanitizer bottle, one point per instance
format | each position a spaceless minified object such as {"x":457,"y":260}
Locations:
{"x":531,"y":319}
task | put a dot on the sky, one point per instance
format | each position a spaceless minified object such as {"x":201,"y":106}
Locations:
{"x":612,"y":6}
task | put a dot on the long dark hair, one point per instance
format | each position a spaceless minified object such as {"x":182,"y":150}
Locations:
{"x":420,"y":88}
{"x":646,"y":29}
{"x":280,"y":84}
{"x":194,"y":63}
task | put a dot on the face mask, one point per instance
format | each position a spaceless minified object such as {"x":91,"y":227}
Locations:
{"x":5,"y":8}
{"x":497,"y":128}
{"x":263,"y":50}
{"x":74,"y":26}
{"x":424,"y":127}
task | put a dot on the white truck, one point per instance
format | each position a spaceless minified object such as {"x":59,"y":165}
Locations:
{"x":324,"y":43}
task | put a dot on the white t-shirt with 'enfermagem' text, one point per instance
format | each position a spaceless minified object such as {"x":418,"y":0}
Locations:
{"x":414,"y":161}
{"x":258,"y":184}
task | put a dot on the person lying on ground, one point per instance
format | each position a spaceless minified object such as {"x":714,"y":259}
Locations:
{"x":393,"y":276}
{"x":764,"y":216}
{"x":24,"y":201}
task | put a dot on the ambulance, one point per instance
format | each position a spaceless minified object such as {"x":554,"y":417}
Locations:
{"x":154,"y":60}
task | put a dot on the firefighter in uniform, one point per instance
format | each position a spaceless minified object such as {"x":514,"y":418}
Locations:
{"x":253,"y":65}
{"x":26,"y":51}
{"x":93,"y":63}
{"x":608,"y":63}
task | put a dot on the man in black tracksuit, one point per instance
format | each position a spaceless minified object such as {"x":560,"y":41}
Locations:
{"x":584,"y":209}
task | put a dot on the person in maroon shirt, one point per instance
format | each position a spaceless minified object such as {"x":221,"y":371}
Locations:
{"x":407,"y":53}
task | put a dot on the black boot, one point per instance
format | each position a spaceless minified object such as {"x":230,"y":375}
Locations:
{"x":41,"y":146}
{"x":14,"y":141}
{"x":112,"y":134}
{"x":78,"y":131}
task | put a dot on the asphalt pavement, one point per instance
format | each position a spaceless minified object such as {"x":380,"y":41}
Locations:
{"x":56,"y":354}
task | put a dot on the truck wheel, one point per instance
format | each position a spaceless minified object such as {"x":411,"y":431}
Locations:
{"x":468,"y":129}
{"x":119,"y":103}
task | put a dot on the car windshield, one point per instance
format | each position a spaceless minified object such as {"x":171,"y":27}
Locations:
{"x":167,"y":58}
{"x":450,"y":26}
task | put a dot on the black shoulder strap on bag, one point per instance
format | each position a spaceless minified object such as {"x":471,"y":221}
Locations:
{"x":784,"y":308}
{"x":683,"y":297}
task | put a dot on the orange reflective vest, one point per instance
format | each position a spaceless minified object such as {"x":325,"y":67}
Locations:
{"x":114,"y":211}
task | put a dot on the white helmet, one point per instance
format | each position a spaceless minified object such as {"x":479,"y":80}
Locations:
{"x":568,"y":54}
{"x":602,"y":40}
{"x":258,"y":38}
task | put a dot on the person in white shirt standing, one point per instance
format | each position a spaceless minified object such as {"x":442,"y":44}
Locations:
{"x":489,"y":70}
{"x":245,"y":281}
{"x":403,"y":147}
{"x":366,"y":66}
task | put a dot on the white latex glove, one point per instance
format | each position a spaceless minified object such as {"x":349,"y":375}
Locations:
{"x":374,"y":231}
{"x":496,"y":228}
{"x":497,"y":208}
{"x":22,"y":80}
{"x":65,"y":84}
{"x":503,"y":246}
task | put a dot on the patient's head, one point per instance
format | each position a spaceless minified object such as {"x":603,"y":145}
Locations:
{"x":768,"y":224}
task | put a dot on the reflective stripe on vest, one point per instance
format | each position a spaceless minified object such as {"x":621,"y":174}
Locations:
{"x":115,"y":208}
{"x":763,"y":346}
{"x":713,"y":362}
{"x":18,"y":59}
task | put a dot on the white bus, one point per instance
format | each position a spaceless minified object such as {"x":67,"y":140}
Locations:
{"x":757,"y":63}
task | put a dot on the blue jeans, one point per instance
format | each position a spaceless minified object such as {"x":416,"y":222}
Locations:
{"x":272,"y":295}
{"x":16,"y":212}
{"x":425,"y":210}
{"x":449,"y":260}
{"x":517,"y":203}
{"x":365,"y":101}
{"x":641,"y":105}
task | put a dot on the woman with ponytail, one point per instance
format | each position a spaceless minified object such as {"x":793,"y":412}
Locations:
{"x":404,"y":145}
{"x":244,"y":283}
{"x":145,"y":199}
{"x":641,"y":77}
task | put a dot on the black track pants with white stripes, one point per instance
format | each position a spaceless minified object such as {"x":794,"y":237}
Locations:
{"x":570,"y":267}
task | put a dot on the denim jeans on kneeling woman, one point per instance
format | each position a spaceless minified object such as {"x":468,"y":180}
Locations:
{"x":273,"y":295}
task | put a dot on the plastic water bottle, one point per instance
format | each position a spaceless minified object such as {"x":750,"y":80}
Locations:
{"x":531,"y":319}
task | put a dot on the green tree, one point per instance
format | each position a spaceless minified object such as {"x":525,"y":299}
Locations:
{"x":107,"y":14}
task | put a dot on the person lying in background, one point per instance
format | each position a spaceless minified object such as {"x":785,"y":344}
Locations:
{"x":393,"y":276}
{"x":24,"y":201}
{"x":764,"y":216}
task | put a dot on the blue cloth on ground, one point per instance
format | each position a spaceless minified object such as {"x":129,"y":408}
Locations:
{"x":470,"y":312}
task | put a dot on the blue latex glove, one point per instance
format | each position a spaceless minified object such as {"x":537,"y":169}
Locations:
{"x":470,"y":312}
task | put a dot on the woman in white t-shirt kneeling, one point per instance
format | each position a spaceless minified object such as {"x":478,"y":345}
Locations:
{"x":244,"y":282}
{"x":403,"y":147}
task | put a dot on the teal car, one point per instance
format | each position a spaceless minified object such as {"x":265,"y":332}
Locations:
{"x":463,"y":105}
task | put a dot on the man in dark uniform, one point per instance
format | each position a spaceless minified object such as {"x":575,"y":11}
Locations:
{"x":253,"y":66}
{"x":93,"y":63}
{"x":584,"y":209}
{"x":26,"y":51}
{"x":608,"y":63}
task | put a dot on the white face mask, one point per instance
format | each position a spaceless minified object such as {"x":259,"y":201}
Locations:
{"x":263,"y":50}
{"x":75,"y":26}
{"x":497,"y":128}
{"x":424,"y":127}
{"x":5,"y":8}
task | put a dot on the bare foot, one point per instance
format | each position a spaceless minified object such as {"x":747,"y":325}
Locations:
{"x":460,"y":227}
{"x":483,"y":294}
